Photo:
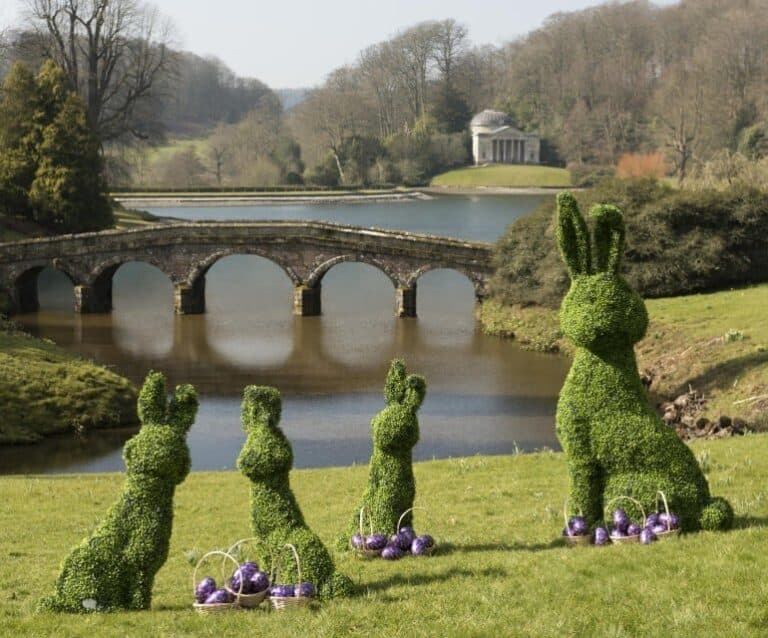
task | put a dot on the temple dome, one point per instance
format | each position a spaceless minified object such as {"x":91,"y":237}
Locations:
{"x":491,"y":119}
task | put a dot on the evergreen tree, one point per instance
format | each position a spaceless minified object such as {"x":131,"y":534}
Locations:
{"x":50,"y":166}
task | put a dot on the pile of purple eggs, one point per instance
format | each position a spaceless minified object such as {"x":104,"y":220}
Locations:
{"x":302,"y":590}
{"x":246,"y":580}
{"x":624,"y":529}
{"x":396,"y":546}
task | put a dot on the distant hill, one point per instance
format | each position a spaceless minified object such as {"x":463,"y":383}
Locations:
{"x":291,"y":97}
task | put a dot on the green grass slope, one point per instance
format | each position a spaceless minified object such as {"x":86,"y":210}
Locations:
{"x":716,"y":342}
{"x":501,"y":570}
{"x":505,"y":175}
{"x":46,"y":390}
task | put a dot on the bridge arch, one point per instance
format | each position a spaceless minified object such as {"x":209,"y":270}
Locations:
{"x":478,"y":282}
{"x":24,"y":291}
{"x":202,"y":267}
{"x":316,"y":276}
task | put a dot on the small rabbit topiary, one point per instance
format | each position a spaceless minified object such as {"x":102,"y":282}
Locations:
{"x":615,"y":444}
{"x":391,"y":485}
{"x":115,"y":567}
{"x":266,"y":459}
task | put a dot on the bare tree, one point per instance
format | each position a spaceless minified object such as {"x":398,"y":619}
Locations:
{"x":112,"y":51}
{"x":450,"y":45}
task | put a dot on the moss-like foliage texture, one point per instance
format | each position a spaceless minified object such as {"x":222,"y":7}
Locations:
{"x":391,"y":485}
{"x":266,"y":459}
{"x":115,"y":567}
{"x":614,"y":442}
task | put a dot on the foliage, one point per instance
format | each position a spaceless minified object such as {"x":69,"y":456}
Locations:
{"x":679,"y":242}
{"x":615,"y":444}
{"x":116,"y":566}
{"x":50,"y":168}
{"x":45,"y":390}
{"x":276,"y":518}
{"x":637,"y":165}
{"x":391,"y":486}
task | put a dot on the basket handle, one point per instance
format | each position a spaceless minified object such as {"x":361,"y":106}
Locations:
{"x":224,"y":558}
{"x":236,"y":544}
{"x":565,"y":511}
{"x":274,"y":572}
{"x":370,"y":520}
{"x":628,"y":498}
{"x":666,"y":506}
{"x":403,"y":515}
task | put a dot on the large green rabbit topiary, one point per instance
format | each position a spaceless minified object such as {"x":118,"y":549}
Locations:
{"x":614,"y":442}
{"x":391,"y":485}
{"x":115,"y":567}
{"x":266,"y":459}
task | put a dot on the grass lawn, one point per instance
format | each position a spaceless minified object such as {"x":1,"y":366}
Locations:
{"x":716,"y":342}
{"x":501,"y":570}
{"x":44,"y":390}
{"x":510,"y":175}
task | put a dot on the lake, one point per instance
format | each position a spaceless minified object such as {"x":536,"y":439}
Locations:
{"x":485,"y":395}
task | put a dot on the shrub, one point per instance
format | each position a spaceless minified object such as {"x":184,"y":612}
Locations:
{"x":679,"y":242}
{"x":266,"y":459}
{"x":641,"y":165}
{"x":614,"y":442}
{"x":115,"y":567}
{"x":391,"y":486}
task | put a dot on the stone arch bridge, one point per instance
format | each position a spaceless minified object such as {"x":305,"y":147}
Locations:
{"x":185,"y":252}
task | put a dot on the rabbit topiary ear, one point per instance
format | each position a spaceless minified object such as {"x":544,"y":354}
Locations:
{"x":183,"y":408}
{"x":394,"y":386}
{"x":609,"y":237}
{"x":573,"y":236}
{"x":416,"y":390}
{"x":152,"y":399}
{"x":261,"y":404}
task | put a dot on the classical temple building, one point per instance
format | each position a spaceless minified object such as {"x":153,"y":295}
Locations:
{"x":495,"y":140}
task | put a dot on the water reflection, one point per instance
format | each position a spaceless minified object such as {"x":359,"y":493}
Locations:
{"x":485,"y":395}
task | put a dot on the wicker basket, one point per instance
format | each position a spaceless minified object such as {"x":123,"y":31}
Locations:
{"x":217,"y":608}
{"x":364,"y":552}
{"x":627,"y":540}
{"x":428,"y":551}
{"x":575,"y":540}
{"x":670,"y":533}
{"x":280,"y":603}
{"x":249,"y":601}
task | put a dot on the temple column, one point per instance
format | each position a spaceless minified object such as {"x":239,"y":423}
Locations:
{"x":189,"y":300}
{"x":307,"y":300}
{"x":405,"y":301}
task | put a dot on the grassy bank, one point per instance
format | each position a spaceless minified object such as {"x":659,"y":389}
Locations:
{"x":509,"y":175}
{"x":501,"y":570}
{"x":717,"y":343}
{"x":46,"y":390}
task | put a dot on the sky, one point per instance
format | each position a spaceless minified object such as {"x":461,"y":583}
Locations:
{"x":296,"y":43}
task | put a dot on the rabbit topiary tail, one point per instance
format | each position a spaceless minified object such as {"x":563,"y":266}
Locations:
{"x":717,"y":515}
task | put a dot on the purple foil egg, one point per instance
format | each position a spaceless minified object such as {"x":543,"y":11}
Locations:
{"x":601,"y":536}
{"x":220,"y":596}
{"x":419,"y":547}
{"x":578,"y":526}
{"x":620,"y":520}
{"x":258,"y":582}
{"x":204,"y":589}
{"x":617,"y":533}
{"x":392,"y":552}
{"x":357,"y":541}
{"x":659,"y":529}
{"x":428,"y":540}
{"x":653,"y":519}
{"x":633,"y":529}
{"x":647,"y":536}
{"x":376,"y":541}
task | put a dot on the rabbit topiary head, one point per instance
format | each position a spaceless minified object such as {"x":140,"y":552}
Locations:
{"x":600,"y":312}
{"x":267,"y":452}
{"x":397,"y":426}
{"x":160,"y":449}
